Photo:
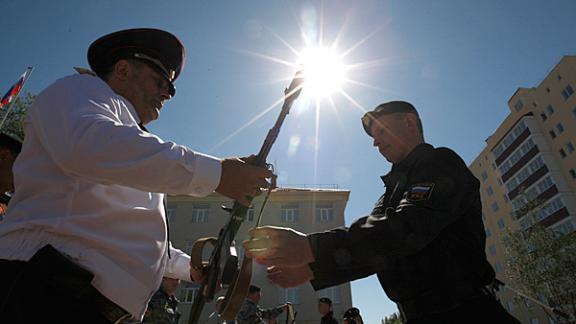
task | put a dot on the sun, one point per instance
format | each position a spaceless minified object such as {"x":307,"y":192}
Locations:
{"x":323,"y":70}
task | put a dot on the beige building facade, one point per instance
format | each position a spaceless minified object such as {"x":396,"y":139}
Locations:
{"x":531,"y":151}
{"x":305,"y":210}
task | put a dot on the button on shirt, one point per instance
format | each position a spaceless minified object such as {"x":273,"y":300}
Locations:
{"x":91,"y":182}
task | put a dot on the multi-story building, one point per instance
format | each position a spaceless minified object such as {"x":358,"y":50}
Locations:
{"x":305,"y":210}
{"x":531,"y":154}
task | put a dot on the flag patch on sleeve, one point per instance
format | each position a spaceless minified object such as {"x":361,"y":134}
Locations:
{"x":420,"y":191}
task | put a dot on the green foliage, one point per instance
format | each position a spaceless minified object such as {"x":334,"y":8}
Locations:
{"x":392,"y":319}
{"x":14,"y":122}
{"x":541,"y":262}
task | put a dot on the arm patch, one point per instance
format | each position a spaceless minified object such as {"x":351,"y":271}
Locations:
{"x":419,"y":191}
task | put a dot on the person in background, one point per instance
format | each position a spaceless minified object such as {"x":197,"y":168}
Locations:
{"x":325,"y":309}
{"x":252,"y":313}
{"x":162,"y":308}
{"x":352,"y":316}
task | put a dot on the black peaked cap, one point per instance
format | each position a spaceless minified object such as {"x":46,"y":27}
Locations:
{"x":159,"y":49}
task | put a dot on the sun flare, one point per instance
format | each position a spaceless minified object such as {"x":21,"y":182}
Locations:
{"x":323,"y":71}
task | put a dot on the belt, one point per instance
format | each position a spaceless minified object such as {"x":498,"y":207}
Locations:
{"x":66,"y":276}
{"x":436,"y":303}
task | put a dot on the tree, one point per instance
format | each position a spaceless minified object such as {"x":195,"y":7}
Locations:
{"x":395,"y":318}
{"x":541,"y":261}
{"x":14,"y":122}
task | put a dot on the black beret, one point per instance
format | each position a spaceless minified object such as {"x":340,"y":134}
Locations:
{"x":252,"y":289}
{"x":159,"y":49}
{"x":352,"y":312}
{"x":325,"y":300}
{"x":385,"y":109}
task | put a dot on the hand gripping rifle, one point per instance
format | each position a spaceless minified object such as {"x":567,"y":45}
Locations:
{"x":238,"y":279}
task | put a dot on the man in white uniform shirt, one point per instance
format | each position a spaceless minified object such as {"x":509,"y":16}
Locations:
{"x":85,"y":239}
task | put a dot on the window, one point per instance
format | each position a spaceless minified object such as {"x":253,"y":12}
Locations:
{"x":519,"y":105}
{"x":549,"y":209}
{"x":488,"y":232}
{"x":333,"y":293}
{"x":324,"y":213}
{"x":523,"y":174}
{"x":289,"y":213}
{"x":250,"y":214}
{"x":543,"y":116}
{"x":534,"y":320}
{"x":509,"y":139}
{"x":495,"y":207}
{"x":517,"y":155}
{"x":492,"y":250}
{"x":550,"y":110}
{"x":489,"y":191}
{"x":552,"y":134}
{"x":498,"y":267}
{"x":188,"y":292}
{"x":510,"y":305}
{"x":569,"y":147}
{"x":573,"y":173}
{"x":501,"y":224}
{"x":171,"y":214}
{"x":289,"y":295}
{"x":560,"y":128}
{"x":484,"y":176}
{"x":564,"y":227}
{"x":567,"y":92}
{"x":562,"y":153}
{"x":200,"y":213}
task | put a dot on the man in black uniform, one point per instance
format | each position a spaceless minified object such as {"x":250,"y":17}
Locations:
{"x":424,"y":238}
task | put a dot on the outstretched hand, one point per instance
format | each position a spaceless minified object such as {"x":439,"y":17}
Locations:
{"x":278,"y":246}
{"x":287,"y":277}
{"x":241,"y":180}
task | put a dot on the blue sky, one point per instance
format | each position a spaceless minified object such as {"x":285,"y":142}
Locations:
{"x":458,"y":62}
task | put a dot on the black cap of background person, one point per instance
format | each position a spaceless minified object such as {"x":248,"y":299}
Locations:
{"x":10,"y":142}
{"x":253,"y":289}
{"x":325,"y":300}
{"x":385,"y":109}
{"x":352,"y":312}
{"x":161,"y":50}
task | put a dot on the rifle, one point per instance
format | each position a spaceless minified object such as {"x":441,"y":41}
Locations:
{"x":237,"y":279}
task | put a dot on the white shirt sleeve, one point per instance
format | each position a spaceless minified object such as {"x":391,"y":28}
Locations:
{"x":91,"y":133}
{"x":178,"y":266}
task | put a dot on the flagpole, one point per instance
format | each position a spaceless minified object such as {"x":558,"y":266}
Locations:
{"x":11,"y":104}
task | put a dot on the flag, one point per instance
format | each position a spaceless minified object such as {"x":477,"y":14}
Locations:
{"x":14,"y":90}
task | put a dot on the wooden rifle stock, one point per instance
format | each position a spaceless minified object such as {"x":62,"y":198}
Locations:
{"x":240,"y":279}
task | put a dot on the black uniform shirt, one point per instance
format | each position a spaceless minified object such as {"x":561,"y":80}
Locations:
{"x":424,"y":237}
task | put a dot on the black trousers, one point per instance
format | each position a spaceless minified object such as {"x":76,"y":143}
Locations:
{"x":26,"y":296}
{"x":483,"y":309}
